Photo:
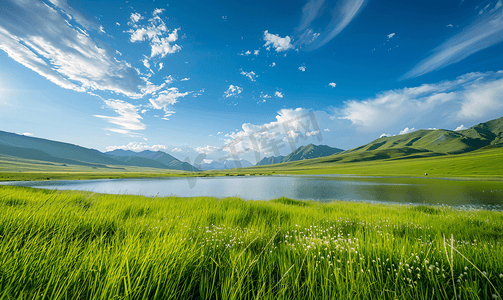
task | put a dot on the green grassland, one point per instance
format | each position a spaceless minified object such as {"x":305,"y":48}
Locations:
{"x":484,"y":163}
{"x":82,"y":245}
{"x":14,"y":168}
{"x":480,"y":164}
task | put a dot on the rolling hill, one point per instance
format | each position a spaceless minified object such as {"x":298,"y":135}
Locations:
{"x":417,"y":144}
{"x":152,"y":159}
{"x":301,"y":153}
{"x":25,"y":147}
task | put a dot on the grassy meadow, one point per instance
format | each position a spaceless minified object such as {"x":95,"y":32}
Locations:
{"x":82,"y":245}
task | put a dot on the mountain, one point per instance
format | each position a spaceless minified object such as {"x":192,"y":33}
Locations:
{"x":304,"y":152}
{"x":224,"y":165}
{"x":420,"y":143}
{"x":311,"y":151}
{"x":42,"y":149}
{"x":152,"y":159}
{"x":26,"y":147}
{"x":270,"y":160}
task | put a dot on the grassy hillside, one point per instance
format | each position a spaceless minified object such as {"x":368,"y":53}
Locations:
{"x":310,"y":151}
{"x":484,"y":163}
{"x":303,"y":152}
{"x":56,"y":149}
{"x":15,"y":168}
{"x":81,"y":245}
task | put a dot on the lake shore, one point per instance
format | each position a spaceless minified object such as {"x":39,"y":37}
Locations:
{"x":88,"y":245}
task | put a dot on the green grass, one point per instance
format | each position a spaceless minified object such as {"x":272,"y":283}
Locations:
{"x":81,"y":245}
{"x":480,"y":164}
{"x":484,"y":163}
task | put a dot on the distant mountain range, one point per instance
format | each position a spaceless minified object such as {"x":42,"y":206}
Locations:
{"x":224,"y":165}
{"x":420,"y":143}
{"x":301,"y":153}
{"x":416,"y":144}
{"x":21,"y":146}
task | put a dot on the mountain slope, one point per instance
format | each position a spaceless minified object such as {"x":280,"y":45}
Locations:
{"x":57,"y":149}
{"x":223,"y":165}
{"x":310,"y":151}
{"x":51,"y":151}
{"x":150,"y":159}
{"x":270,"y":160}
{"x":301,"y":153}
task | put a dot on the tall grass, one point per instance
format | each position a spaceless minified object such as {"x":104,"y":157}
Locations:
{"x":80,"y":245}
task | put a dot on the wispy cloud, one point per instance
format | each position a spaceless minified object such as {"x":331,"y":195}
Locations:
{"x":51,"y":39}
{"x":461,"y":127}
{"x":302,"y":68}
{"x":332,"y":84}
{"x":278,"y":94}
{"x":342,"y":14}
{"x":483,"y":33}
{"x":128,"y":119}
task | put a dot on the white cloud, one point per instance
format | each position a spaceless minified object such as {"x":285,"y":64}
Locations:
{"x":128,"y":120}
{"x":391,"y":35}
{"x":158,"y":11}
{"x":342,"y":14}
{"x":472,"y":96}
{"x":483,"y":33}
{"x":384,"y":135}
{"x":47,"y":40}
{"x":245,"y":53}
{"x":137,"y":147}
{"x":482,"y":98}
{"x":461,"y":127}
{"x":161,"y":65}
{"x":326,"y":129}
{"x":250,"y":75}
{"x":27,"y":134}
{"x":40,"y":38}
{"x":273,"y":64}
{"x":256,"y":52}
{"x":265,"y":96}
{"x":207,"y":149}
{"x":406,"y":130}
{"x":278,"y":43}
{"x":135,"y":17}
{"x":449,"y":25}
{"x":332,"y":84}
{"x":233,"y":91}
{"x":167,"y":97}
{"x":176,"y":150}
{"x":185,"y":79}
{"x":302,"y":68}
{"x":278,"y":94}
{"x":161,"y":40}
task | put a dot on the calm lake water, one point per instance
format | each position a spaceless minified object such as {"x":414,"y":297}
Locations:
{"x":319,"y":188}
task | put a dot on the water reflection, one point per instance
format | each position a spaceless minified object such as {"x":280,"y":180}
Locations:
{"x":319,"y":188}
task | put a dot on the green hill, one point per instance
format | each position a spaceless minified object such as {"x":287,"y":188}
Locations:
{"x":301,"y":153}
{"x":270,"y":160}
{"x":20,"y":146}
{"x":55,"y":149}
{"x":417,"y":144}
{"x":310,"y":151}
{"x":152,"y":159}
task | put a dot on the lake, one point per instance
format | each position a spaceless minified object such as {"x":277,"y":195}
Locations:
{"x":469,"y":194}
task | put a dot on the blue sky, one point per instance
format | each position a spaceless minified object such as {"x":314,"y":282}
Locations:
{"x":191,"y":77}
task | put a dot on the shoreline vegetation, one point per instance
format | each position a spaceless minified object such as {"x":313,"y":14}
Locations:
{"x":84,"y":245}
